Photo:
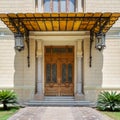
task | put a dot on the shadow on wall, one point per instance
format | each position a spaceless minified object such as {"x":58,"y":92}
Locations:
{"x":93,"y":75}
{"x":24,"y":76}
{"x":19,"y":74}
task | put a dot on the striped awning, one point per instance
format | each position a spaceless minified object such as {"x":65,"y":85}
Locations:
{"x":59,"y":21}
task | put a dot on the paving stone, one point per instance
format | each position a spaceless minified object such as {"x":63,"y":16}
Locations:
{"x":58,"y":113}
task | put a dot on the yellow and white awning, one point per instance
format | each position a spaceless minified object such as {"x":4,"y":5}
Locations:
{"x":59,"y":21}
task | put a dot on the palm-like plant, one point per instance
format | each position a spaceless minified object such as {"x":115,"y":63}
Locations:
{"x":108,"y":101}
{"x":7,"y":97}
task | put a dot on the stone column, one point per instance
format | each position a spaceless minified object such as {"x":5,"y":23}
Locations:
{"x":39,"y":95}
{"x":79,"y":75}
{"x":79,"y":83}
{"x":39,"y":74}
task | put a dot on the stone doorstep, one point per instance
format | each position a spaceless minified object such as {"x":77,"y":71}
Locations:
{"x":59,"y":101}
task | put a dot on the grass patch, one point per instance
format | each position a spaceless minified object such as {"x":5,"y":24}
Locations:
{"x":113,"y":115}
{"x":5,"y":114}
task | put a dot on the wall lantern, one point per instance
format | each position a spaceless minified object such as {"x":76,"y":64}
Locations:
{"x":19,"y":41}
{"x":100,"y":41}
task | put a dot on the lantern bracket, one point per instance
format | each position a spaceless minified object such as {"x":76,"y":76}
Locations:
{"x":91,"y":42}
{"x":28,"y":47}
{"x":18,"y":25}
{"x":101,"y":24}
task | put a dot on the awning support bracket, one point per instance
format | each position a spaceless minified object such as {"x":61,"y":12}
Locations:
{"x":91,"y":41}
{"x":13,"y":23}
{"x":26,"y":33}
{"x":92,"y":32}
{"x":101,"y":25}
{"x":28,"y":47}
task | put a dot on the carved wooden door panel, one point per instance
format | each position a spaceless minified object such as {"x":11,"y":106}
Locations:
{"x":59,"y":72}
{"x":66,"y":77}
{"x":51,"y":83}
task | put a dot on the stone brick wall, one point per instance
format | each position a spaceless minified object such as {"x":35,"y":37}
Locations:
{"x":111,"y":64}
{"x":102,"y":5}
{"x":17,"y":6}
{"x":7,"y":55}
{"x":24,"y":80}
{"x":105,"y":71}
{"x":14,"y":73}
{"x":29,"y":72}
{"x":104,"y":74}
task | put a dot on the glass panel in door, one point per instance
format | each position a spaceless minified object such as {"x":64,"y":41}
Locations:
{"x":54,"y":73}
{"x":51,"y":73}
{"x":64,"y":75}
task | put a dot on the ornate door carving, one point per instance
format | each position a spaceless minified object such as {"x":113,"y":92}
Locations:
{"x":59,"y":70}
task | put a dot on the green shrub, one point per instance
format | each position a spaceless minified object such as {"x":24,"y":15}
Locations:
{"x":108,"y":101}
{"x":7,"y":97}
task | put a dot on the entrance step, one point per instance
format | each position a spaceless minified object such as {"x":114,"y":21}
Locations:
{"x":57,"y":98}
{"x":59,"y":101}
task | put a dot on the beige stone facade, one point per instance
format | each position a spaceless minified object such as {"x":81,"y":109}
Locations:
{"x":103,"y":75}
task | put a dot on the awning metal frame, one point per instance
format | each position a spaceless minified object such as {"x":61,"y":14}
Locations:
{"x":93,"y":22}
{"x":43,"y":21}
{"x":19,"y":25}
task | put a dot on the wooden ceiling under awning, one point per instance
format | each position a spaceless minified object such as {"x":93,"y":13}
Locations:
{"x":59,"y":21}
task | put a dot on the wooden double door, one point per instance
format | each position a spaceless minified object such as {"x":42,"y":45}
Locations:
{"x":59,"y":70}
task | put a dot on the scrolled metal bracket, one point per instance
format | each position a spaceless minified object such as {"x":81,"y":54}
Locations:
{"x":28,"y":47}
{"x":18,"y":25}
{"x":91,"y":41}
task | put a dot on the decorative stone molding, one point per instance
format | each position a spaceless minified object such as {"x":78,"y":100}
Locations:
{"x":79,"y":48}
{"x":39,"y":48}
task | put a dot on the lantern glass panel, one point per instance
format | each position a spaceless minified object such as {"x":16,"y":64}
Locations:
{"x":19,"y":42}
{"x":100,"y":41}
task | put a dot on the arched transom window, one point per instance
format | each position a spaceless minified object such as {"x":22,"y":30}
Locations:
{"x":59,"y":5}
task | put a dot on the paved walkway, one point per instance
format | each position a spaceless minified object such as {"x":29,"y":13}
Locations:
{"x":58,"y":113}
